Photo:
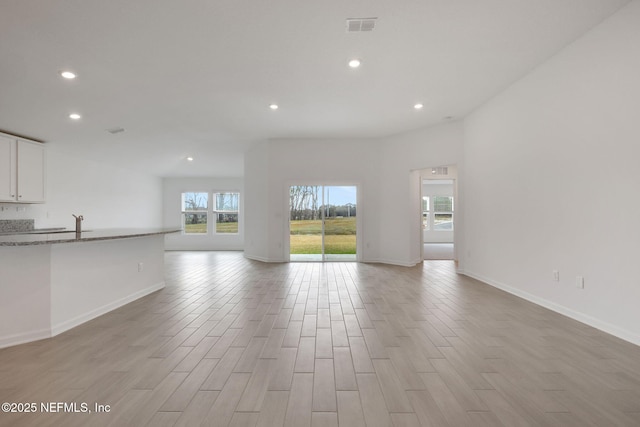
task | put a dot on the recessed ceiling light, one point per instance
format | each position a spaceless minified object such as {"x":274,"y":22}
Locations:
{"x":190,"y":159}
{"x":68,"y":74}
{"x":354,"y":63}
{"x":273,"y":106}
{"x":74,"y":116}
{"x":418,"y":106}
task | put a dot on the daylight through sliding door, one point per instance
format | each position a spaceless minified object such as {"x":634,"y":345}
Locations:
{"x":339,"y":223}
{"x":322,"y":223}
{"x":305,"y":223}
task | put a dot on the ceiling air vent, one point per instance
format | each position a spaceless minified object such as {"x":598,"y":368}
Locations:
{"x":115,"y":130}
{"x":441,"y":170}
{"x":356,"y":25}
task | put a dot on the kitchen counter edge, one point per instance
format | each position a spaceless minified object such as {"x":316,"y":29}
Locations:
{"x":87,"y":236}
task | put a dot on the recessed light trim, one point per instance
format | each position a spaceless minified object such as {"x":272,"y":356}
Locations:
{"x":418,"y":106}
{"x":75,"y":116}
{"x":355,"y":63}
{"x":69,"y":75}
{"x":273,"y":106}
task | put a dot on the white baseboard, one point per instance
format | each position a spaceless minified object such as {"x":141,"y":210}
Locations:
{"x":25,"y":337}
{"x":393,"y":262}
{"x":198,"y":248}
{"x":90,"y":315}
{"x":259,"y":258}
{"x":373,"y":261}
{"x":558,"y":308}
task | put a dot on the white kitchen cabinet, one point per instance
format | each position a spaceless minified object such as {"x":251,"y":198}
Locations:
{"x":31,"y":176}
{"x":22,"y":170}
{"x":8,"y":175}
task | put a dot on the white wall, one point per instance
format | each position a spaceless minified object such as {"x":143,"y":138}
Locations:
{"x":48,"y":289}
{"x":172,"y":214}
{"x":282,"y":163}
{"x":107,"y":197}
{"x":257,"y":202}
{"x":25,"y":301}
{"x":389,"y":211}
{"x":551,"y":181}
{"x":115,"y":277}
{"x":400,"y":181}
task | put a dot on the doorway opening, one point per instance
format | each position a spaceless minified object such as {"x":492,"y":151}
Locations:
{"x":322,"y":223}
{"x":438,"y":215}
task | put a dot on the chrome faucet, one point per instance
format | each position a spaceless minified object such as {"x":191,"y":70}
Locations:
{"x":79,"y":219}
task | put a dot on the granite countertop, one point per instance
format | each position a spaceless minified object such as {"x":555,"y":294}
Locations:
{"x":43,"y":238}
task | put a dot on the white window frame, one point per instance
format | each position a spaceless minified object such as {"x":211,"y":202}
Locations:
{"x":431,"y":213}
{"x":205,"y":211}
{"x":432,"y":218}
{"x":215,"y":211}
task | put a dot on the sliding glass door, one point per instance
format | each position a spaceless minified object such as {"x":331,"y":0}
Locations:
{"x":305,"y":223}
{"x":322,"y":223}
{"x":340,"y":223}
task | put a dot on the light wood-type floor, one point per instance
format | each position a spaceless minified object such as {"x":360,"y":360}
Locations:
{"x":231,"y":341}
{"x":438,"y":251}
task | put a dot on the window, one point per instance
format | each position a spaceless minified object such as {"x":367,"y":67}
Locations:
{"x":226,"y":212}
{"x":443,"y":213}
{"x":194,"y":212}
{"x":197,"y":212}
{"x":441,"y":218}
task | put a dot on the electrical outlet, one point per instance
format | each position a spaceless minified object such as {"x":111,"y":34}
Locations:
{"x":140,"y":267}
{"x":579,"y":282}
{"x":556,"y":275}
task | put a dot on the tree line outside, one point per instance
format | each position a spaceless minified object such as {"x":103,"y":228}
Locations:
{"x":305,"y":225}
{"x":304,"y":205}
{"x":195,"y":208}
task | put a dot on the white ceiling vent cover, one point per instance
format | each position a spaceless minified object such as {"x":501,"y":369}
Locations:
{"x":356,"y":25}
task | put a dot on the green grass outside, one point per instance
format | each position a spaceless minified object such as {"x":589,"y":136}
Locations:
{"x":307,"y":244}
{"x":195,"y":228}
{"x":221,"y":227}
{"x":340,"y":226}
{"x":226,"y":227}
{"x":340,"y":236}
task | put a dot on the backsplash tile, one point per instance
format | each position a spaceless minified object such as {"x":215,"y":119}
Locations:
{"x":11,"y":225}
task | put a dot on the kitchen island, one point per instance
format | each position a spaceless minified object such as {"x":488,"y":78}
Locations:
{"x":52,"y":282}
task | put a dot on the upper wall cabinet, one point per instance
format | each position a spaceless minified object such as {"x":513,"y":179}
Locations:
{"x":8,"y":175}
{"x":22,"y":170}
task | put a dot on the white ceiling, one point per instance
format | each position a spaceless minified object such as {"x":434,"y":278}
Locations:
{"x":196,"y":77}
